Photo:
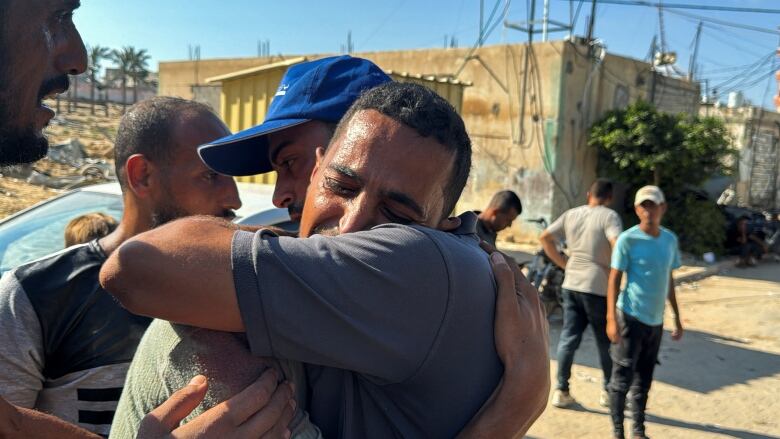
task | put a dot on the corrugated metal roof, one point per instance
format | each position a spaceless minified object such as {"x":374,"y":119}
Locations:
{"x":431,"y":78}
{"x":254,"y":70}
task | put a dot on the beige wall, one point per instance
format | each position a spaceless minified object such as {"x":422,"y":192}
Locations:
{"x":542,"y":155}
{"x":590,"y":90}
{"x":178,"y":77}
{"x":758,"y":170}
{"x":507,"y":154}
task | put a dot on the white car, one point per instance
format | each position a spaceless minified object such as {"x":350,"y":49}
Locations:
{"x":40,"y":230}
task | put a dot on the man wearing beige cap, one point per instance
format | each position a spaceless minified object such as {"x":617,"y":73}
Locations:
{"x":647,"y":252}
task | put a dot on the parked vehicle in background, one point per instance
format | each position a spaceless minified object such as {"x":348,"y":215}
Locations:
{"x":545,"y":275}
{"x":757,"y":223}
{"x":39,"y":230}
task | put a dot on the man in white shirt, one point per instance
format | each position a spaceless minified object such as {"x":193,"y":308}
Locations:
{"x":590,"y":232}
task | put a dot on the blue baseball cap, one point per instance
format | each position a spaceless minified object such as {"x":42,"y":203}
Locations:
{"x":320,"y":90}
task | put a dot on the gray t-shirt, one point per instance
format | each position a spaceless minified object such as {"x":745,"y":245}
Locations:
{"x":395,"y":324}
{"x":587,"y":231}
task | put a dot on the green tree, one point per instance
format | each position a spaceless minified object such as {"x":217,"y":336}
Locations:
{"x":97,"y":54}
{"x":677,"y":152}
{"x":124,"y":58}
{"x":139,"y":70}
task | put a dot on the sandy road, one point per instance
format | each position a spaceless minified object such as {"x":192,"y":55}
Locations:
{"x":721,"y":380}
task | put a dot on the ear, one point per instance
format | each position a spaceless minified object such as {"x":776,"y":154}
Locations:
{"x":138,"y":172}
{"x":319,"y":155}
{"x":449,"y":224}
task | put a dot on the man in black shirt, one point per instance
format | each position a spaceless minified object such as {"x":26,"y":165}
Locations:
{"x":504,"y":207}
{"x":68,"y":342}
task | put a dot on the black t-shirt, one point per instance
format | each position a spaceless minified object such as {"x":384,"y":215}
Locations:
{"x":484,"y":232}
{"x":67,"y":343}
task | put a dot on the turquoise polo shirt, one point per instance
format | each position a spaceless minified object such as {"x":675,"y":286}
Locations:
{"x":648,"y":262}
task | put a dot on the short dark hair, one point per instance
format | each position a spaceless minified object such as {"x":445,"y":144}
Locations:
{"x":421,"y":109}
{"x":505,"y":200}
{"x":147,"y":128}
{"x":602,"y":189}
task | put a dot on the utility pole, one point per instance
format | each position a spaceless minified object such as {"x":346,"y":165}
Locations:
{"x":653,"y":49}
{"x":545,"y":19}
{"x":692,"y":67}
{"x":263,"y":48}
{"x":532,"y":17}
{"x":592,"y":21}
{"x":481,"y":21}
{"x":196,"y":53}
{"x":524,"y":90}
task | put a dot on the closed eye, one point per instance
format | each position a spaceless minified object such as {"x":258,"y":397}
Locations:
{"x":338,"y":188}
{"x":396,"y":218}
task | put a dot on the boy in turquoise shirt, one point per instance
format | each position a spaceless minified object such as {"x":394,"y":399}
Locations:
{"x":648,"y":253}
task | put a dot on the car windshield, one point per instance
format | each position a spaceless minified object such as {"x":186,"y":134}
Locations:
{"x":38,"y":232}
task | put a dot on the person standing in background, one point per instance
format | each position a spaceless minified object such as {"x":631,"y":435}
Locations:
{"x":590,"y":232}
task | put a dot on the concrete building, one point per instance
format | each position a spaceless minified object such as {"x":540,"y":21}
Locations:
{"x":756,"y":133}
{"x":532,"y":142}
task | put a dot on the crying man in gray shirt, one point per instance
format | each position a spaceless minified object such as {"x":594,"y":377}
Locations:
{"x":389,"y":323}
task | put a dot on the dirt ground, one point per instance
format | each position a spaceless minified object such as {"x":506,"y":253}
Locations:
{"x":721,"y":380}
{"x":95,"y":132}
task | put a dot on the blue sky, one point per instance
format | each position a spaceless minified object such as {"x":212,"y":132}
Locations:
{"x":232,"y":28}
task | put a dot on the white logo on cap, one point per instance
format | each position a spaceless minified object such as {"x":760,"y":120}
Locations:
{"x":282,"y":90}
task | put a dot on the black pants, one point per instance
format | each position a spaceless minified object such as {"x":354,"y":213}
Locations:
{"x":634,"y":360}
{"x":750,"y":249}
{"x":579,"y":311}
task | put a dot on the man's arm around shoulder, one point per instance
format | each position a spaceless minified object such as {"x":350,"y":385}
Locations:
{"x":179,"y":272}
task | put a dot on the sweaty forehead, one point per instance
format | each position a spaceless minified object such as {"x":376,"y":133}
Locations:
{"x":370,"y":136}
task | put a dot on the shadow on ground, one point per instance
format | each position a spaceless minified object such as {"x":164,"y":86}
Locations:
{"x":765,"y":270}
{"x":661,"y":420}
{"x":721,"y":361}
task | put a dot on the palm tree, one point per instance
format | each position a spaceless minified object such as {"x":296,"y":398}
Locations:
{"x":139,"y":70}
{"x":96,"y":55}
{"x":123,"y":58}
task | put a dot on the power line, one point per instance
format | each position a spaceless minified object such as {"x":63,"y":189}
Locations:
{"x":753,"y":83}
{"x":750,"y":71}
{"x":573,"y":23}
{"x":483,"y":37}
{"x":701,"y":17}
{"x":727,"y":23}
{"x":383,"y":22}
{"x":743,"y":85}
{"x":690,"y":6}
{"x":726,"y":41}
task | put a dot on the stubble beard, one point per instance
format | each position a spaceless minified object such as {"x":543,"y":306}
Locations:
{"x":17,"y":145}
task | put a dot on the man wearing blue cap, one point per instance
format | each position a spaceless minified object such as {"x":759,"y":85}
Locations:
{"x":311,"y":99}
{"x":394,"y":119}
